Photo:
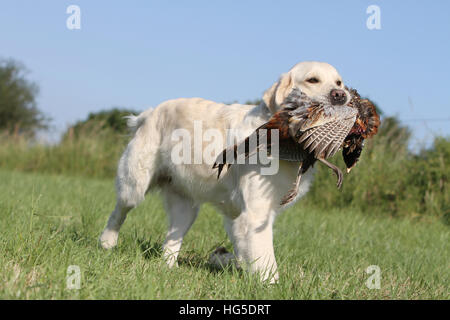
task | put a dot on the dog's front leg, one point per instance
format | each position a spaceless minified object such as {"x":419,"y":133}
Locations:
{"x":252,"y":237}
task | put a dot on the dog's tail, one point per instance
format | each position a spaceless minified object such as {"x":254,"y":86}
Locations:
{"x":137,"y":165}
{"x":134,"y":122}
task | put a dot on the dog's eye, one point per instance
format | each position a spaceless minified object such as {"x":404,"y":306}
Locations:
{"x":313,"y":80}
{"x":339,"y":82}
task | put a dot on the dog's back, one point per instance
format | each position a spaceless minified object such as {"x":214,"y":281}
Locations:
{"x":174,"y":142}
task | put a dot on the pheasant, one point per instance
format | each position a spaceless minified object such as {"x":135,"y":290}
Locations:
{"x":366,"y":126}
{"x":311,"y":130}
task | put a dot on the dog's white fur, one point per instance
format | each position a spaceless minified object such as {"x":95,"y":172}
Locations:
{"x":248,"y":200}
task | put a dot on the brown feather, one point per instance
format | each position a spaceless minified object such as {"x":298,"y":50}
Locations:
{"x":366,"y":126}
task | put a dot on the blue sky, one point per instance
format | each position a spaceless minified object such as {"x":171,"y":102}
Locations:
{"x":137,"y":54}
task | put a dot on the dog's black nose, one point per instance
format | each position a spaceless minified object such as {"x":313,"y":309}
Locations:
{"x":338,"y":96}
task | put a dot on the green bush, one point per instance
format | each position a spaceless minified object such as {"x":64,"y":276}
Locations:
{"x":429,"y":173}
{"x":109,"y":122}
{"x":389,"y":178}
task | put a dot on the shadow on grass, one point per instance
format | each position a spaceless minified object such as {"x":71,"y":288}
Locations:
{"x":194,"y":260}
{"x":153,"y":249}
{"x":77,"y":236}
{"x":150,"y":249}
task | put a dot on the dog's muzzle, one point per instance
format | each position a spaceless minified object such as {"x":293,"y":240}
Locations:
{"x":338,"y":97}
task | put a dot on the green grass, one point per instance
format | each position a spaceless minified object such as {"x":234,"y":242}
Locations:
{"x":49,"y":222}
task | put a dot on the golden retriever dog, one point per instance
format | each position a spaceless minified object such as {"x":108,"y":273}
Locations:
{"x":174,"y":147}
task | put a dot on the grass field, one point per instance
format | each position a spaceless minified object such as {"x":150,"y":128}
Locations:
{"x":49,"y":222}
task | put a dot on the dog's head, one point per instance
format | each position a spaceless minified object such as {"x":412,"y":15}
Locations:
{"x":318,"y":80}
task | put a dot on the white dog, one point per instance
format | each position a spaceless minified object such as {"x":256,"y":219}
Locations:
{"x":248,"y":199}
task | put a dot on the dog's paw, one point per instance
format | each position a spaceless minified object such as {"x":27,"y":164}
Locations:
{"x":170,"y":258}
{"x":108,"y":239}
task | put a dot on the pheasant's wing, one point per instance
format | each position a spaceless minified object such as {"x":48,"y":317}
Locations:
{"x":315,"y":128}
{"x":262,"y":139}
{"x":284,"y":147}
{"x":321,"y":130}
{"x":288,"y":148}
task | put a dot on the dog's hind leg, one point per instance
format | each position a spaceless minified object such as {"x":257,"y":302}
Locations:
{"x":181,"y":212}
{"x":135,"y":171}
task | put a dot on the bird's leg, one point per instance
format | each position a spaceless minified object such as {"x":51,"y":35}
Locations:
{"x":294,"y":190}
{"x":336,"y":170}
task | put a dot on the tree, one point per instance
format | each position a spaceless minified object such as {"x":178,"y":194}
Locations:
{"x":18,"y":107}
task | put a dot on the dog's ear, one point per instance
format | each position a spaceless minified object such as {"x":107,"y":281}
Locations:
{"x":275,"y":96}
